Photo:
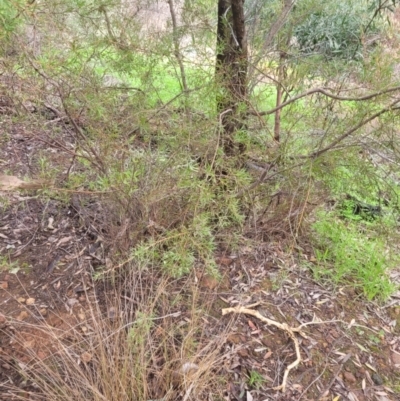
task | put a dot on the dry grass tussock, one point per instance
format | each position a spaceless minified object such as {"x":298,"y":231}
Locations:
{"x":146,"y":338}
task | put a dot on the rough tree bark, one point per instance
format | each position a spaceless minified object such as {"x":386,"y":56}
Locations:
{"x":231,"y":71}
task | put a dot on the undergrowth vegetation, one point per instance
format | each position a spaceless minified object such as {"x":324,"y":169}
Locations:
{"x":127,"y":351}
{"x":352,"y":254}
{"x":154,"y":149}
{"x":129,"y":107}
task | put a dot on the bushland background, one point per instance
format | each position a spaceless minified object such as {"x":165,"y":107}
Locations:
{"x":165,"y":163}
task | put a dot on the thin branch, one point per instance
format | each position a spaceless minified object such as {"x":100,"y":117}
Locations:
{"x":286,"y":90}
{"x":355,"y":128}
{"x":134,"y":88}
{"x":99,"y":163}
{"x":378,"y":10}
{"x":275,"y":28}
{"x":117,"y":42}
{"x":328,"y":387}
{"x":220,"y":128}
{"x":175,"y":39}
{"x":108,"y":24}
{"x":265,"y":177}
{"x":328,"y":94}
{"x":184,"y":92}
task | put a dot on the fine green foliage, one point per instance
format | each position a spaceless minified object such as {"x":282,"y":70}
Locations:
{"x":202,"y":211}
{"x":9,"y":17}
{"x":255,"y":379}
{"x":354,"y":254}
{"x":355,"y":239}
{"x":13,"y":267}
{"x":335,"y":29}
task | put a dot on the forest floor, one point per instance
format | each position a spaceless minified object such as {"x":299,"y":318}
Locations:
{"x":51,"y":248}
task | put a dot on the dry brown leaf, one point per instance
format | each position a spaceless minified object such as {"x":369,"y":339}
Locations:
{"x":10,"y":183}
{"x":208,"y":282}
{"x":22,"y":316}
{"x":29,"y":344}
{"x":252,"y":325}
{"x":86,"y":357}
{"x":112,"y":313}
{"x":268,"y":354}
{"x":224,"y":261}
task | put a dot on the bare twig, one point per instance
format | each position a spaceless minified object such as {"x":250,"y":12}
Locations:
{"x":345,"y":359}
{"x":54,"y":110}
{"x":265,"y":177}
{"x":97,"y":162}
{"x":220,"y":127}
{"x":162,"y":108}
{"x":328,"y":94}
{"x":175,"y":39}
{"x":355,"y":128}
{"x":276,"y":26}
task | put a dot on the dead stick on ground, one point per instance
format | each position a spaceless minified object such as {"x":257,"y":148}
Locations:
{"x":283,"y":326}
{"x":328,"y":387}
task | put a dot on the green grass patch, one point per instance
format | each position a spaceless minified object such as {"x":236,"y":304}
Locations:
{"x":354,"y":253}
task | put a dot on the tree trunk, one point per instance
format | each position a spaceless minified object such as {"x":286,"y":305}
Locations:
{"x":231,"y":71}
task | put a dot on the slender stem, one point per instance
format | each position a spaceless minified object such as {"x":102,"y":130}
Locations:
{"x":175,"y":38}
{"x":328,"y":94}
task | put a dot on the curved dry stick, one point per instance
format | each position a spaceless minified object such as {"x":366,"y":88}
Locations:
{"x":283,"y":326}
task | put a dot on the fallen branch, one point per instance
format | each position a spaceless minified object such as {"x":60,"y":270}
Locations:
{"x":328,"y":387}
{"x":283,"y":326}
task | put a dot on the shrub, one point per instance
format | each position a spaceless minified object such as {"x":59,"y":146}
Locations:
{"x":335,"y":30}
